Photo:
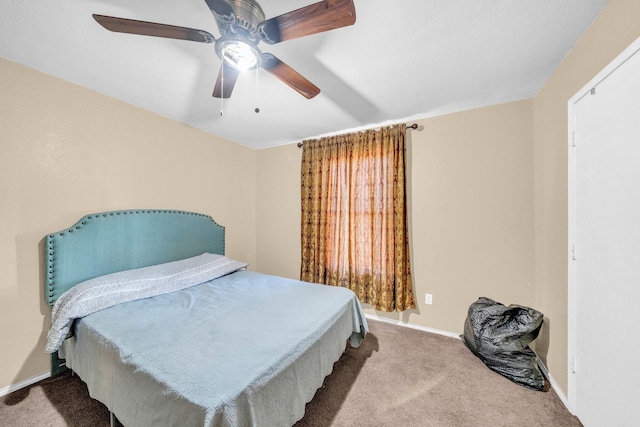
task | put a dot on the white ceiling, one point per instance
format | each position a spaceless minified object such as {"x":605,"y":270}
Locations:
{"x":400,"y":61}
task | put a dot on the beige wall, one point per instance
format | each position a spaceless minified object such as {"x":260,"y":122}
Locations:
{"x":279,"y":211}
{"x":471,"y":212}
{"x":66,"y":151}
{"x":615,"y":29}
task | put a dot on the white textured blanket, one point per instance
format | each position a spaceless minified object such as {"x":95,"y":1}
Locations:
{"x":107,"y":291}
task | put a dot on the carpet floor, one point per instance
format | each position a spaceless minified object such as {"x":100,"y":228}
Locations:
{"x":398,"y":377}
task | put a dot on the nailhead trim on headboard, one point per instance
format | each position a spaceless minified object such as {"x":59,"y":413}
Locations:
{"x":51,"y":238}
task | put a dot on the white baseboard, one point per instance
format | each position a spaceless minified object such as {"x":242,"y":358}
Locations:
{"x":543,"y":368}
{"x":25,"y":383}
{"x":414,"y":326}
{"x":554,"y":385}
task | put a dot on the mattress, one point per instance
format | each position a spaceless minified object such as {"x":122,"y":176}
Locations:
{"x":245,"y":349}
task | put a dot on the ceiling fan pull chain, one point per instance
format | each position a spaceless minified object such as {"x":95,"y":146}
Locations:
{"x":257,"y":110}
{"x":222,"y":91}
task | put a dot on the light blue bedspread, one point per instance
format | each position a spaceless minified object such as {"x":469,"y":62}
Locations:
{"x":245,"y":349}
{"x":106,"y":291}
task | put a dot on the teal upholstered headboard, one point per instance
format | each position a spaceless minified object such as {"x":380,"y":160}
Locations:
{"x":108,"y":242}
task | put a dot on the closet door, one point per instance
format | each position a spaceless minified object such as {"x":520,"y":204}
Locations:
{"x":604,"y":263}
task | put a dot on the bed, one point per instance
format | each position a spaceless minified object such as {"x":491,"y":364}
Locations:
{"x":165,"y":330}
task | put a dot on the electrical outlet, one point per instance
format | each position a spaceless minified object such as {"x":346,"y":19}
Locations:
{"x":428,"y":299}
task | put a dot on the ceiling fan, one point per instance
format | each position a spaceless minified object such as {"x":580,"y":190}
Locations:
{"x":242,"y":26}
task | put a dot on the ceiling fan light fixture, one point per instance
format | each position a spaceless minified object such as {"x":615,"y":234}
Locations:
{"x":238,"y":53}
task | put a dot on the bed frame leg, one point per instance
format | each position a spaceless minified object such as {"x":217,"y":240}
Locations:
{"x":114,"y":420}
{"x":58,"y":365}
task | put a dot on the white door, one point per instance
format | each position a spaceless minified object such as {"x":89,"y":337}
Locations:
{"x":604,"y":264}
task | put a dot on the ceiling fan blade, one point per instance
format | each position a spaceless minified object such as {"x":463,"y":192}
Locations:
{"x":132,"y":26}
{"x":289,"y":76}
{"x":315,"y":18}
{"x":226,"y":81}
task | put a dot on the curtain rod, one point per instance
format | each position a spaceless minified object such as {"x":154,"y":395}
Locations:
{"x":413,"y":126}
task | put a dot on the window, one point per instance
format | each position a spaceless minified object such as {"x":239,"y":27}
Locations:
{"x":354,"y":216}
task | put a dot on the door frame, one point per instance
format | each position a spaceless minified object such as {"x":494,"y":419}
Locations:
{"x":572,"y":253}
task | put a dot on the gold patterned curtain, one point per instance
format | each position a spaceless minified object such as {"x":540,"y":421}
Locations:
{"x":354,"y":216}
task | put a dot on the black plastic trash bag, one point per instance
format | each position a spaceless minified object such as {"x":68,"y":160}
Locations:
{"x":500,"y":337}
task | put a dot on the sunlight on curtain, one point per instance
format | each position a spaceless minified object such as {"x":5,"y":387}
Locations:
{"x":354,"y":216}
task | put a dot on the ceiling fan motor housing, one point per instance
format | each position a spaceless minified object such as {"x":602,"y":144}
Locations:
{"x":248,"y":14}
